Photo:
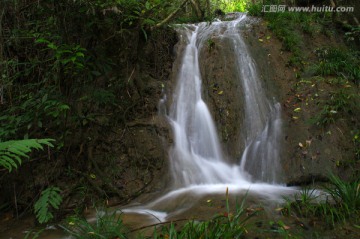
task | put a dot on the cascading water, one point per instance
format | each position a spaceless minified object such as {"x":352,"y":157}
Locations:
{"x":196,"y":157}
{"x":262,"y":124}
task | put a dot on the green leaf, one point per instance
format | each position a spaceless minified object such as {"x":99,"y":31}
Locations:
{"x":52,"y":46}
{"x":145,"y":34}
{"x":50,"y":199}
{"x":64,"y":107}
{"x":18,"y":151}
{"x":44,"y":98}
{"x":41,"y":40}
{"x":14,"y":157}
{"x":12,"y":151}
{"x":80,"y":54}
{"x":8,"y":163}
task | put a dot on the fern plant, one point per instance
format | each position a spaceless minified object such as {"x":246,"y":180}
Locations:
{"x":50,"y":199}
{"x":107,"y":225}
{"x":12,"y":152}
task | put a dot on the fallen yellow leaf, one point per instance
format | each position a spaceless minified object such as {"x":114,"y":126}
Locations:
{"x":286,"y":227}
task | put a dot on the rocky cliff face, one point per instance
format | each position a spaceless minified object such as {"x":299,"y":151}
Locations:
{"x":308,"y":152}
{"x":222,"y":91}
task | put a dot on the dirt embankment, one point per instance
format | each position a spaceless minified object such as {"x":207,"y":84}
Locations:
{"x":310,"y":151}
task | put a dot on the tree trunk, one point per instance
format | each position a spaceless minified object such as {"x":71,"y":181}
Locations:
{"x":208,"y":8}
{"x":197,"y":8}
{"x":1,"y":55}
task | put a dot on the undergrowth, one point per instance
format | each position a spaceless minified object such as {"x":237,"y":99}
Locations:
{"x":338,"y":203}
{"x":106,"y":226}
{"x":226,"y":225}
{"x":110,"y":226}
{"x":338,"y":104}
{"x":288,"y":27}
{"x":339,"y":62}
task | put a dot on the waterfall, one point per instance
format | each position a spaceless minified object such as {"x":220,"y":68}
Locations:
{"x":197,"y":164}
{"x":196,"y":157}
{"x":262,"y":124}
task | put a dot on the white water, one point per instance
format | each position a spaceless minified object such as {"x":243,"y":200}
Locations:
{"x":196,"y":160}
{"x":196,"y":157}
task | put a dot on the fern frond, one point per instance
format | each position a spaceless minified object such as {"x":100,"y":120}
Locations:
{"x":12,"y":151}
{"x":50,"y":198}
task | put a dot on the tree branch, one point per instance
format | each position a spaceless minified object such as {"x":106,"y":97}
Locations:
{"x":170,"y":17}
